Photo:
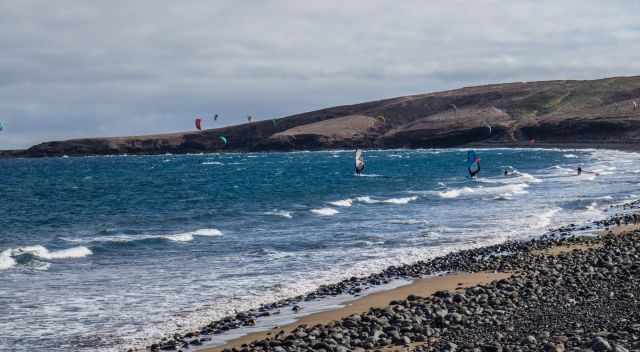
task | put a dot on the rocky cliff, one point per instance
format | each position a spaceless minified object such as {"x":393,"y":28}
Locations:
{"x":598,"y":113}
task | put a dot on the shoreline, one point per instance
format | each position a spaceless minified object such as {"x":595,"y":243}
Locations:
{"x":482,"y":259}
{"x":621,"y":147}
{"x":448,"y":282}
{"x":437,"y":314}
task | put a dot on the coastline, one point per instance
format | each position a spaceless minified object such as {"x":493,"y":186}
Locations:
{"x":496,"y":263}
{"x":622,"y":147}
{"x":425,"y":286}
{"x":448,"y":324}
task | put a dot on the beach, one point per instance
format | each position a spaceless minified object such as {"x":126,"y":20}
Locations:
{"x":497,"y":303}
{"x":378,"y":300}
{"x":559,"y":292}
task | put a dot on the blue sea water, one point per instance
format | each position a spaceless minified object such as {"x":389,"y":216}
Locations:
{"x":107,"y":253}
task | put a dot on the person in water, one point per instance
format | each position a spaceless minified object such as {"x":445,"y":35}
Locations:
{"x":359,"y":165}
{"x":579,"y":170}
{"x":474,"y":173}
{"x":506,"y":172}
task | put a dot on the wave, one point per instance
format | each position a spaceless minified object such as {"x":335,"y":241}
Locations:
{"x":6,"y":261}
{"x":515,"y":177}
{"x":281,"y":213}
{"x":212,"y":163}
{"x":178,"y":237}
{"x":399,"y":201}
{"x":506,"y":190}
{"x":456,"y":192}
{"x":408,"y":222}
{"x":570,"y":156}
{"x":325,"y":211}
{"x":368,"y":175}
{"x":542,"y":220}
{"x":404,"y":200}
{"x":342,"y":203}
{"x":7,"y":257}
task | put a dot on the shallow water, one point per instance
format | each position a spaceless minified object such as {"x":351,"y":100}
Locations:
{"x":102,"y":253}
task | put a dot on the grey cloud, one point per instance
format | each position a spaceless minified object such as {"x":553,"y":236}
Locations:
{"x":91,"y":68}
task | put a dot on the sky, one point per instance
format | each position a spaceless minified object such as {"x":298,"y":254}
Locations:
{"x":72,"y":69}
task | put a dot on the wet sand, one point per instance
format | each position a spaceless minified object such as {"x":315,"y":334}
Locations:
{"x":422,"y":287}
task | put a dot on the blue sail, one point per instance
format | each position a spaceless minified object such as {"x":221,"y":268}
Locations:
{"x":472,"y":158}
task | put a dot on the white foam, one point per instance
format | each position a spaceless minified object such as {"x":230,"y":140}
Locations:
{"x":6,"y":261}
{"x":325,"y":211}
{"x":404,"y":200}
{"x":281,"y":213}
{"x":367,"y":200}
{"x":342,"y":203}
{"x":178,"y":237}
{"x":509,"y":189}
{"x":504,"y":196}
{"x":525,"y":177}
{"x":188,"y":236}
{"x":570,"y":156}
{"x":455,"y":192}
{"x":212,"y":163}
{"x":542,"y":220}
{"x":515,"y":177}
{"x":7,"y":256}
{"x":399,"y":201}
{"x":42,"y":252}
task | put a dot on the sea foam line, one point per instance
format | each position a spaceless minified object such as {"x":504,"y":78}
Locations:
{"x":178,"y":237}
{"x":369,"y":200}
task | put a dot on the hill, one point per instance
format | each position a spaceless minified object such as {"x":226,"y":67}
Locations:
{"x":595,"y":113}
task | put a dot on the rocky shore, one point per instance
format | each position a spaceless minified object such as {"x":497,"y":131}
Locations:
{"x":556,"y":300}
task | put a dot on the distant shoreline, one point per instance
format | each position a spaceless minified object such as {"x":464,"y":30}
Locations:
{"x":599,"y":114}
{"x":568,"y":146}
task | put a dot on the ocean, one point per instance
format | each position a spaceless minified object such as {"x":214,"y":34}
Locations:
{"x":107,"y":253}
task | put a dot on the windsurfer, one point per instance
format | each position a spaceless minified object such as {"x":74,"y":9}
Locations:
{"x":359,"y":165}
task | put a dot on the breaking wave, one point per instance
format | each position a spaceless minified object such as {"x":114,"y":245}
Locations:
{"x":342,"y":203}
{"x":178,"y":237}
{"x":281,"y":213}
{"x":325,"y":211}
{"x":506,"y":191}
{"x":8,"y":256}
{"x":369,"y":200}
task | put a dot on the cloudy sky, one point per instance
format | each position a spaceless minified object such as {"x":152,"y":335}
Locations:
{"x":104,"y":68}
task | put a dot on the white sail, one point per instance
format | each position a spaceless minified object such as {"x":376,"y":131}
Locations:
{"x":359,"y":160}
